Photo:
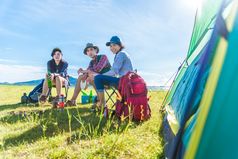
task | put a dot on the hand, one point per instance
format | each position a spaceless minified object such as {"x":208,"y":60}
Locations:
{"x":52,"y":76}
{"x":80,"y":70}
{"x":91,"y":76}
{"x":89,"y":79}
{"x":85,"y":76}
{"x":90,"y":73}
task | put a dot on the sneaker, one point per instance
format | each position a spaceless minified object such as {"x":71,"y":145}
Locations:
{"x":94,"y":106}
{"x":55,"y":102}
{"x":42,"y":99}
{"x":105,"y":112}
{"x":70,"y":103}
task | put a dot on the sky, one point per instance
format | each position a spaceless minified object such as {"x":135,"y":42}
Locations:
{"x":156,"y":34}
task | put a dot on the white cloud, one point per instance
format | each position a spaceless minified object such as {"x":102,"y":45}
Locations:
{"x":157,"y":79}
{"x":8,"y":48}
{"x":73,"y":67}
{"x":7,"y":61}
{"x":7,"y":32}
{"x":151,"y":37}
{"x":41,"y":11}
{"x":19,"y":73}
{"x":12,"y":71}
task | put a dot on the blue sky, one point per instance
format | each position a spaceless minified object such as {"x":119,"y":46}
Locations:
{"x":156,"y":34}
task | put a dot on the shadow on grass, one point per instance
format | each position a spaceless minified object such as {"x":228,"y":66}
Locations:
{"x":14,"y":106}
{"x":81,"y":122}
{"x":53,"y":122}
{"x":40,"y":115}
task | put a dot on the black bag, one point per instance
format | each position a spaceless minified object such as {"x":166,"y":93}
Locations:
{"x":24,"y":99}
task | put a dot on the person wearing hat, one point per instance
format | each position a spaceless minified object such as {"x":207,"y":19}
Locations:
{"x":57,"y":72}
{"x":98,"y":65}
{"x":121,"y":66}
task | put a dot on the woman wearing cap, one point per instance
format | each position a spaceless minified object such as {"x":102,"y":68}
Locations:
{"x":121,"y":66}
{"x":98,"y":65}
{"x":57,"y":70}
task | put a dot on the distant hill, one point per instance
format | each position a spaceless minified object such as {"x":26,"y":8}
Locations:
{"x":72,"y":81}
{"x":5,"y":83}
{"x":28,"y":83}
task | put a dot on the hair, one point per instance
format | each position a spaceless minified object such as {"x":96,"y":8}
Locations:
{"x":55,"y":50}
{"x":94,"y":47}
{"x":122,"y":46}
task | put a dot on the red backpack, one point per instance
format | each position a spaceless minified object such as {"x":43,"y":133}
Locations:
{"x":133,"y":101}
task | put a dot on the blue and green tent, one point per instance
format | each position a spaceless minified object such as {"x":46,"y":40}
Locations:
{"x":202,"y":103}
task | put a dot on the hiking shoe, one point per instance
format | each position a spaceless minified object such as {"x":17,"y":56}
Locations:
{"x":55,"y":102}
{"x":42,"y":99}
{"x":105,"y":112}
{"x":94,"y":106}
{"x":97,"y":108}
{"x":70,"y":103}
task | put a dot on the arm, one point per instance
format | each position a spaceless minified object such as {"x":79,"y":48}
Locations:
{"x":110,"y":73}
{"x":101,"y":64}
{"x":49,"y":69}
{"x":118,"y":62}
{"x":90,"y":66}
{"x":64,"y":70}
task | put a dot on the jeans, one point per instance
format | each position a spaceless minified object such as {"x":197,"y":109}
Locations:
{"x":102,"y":80}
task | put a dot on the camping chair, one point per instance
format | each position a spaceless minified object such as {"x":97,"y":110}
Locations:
{"x":110,"y":92}
{"x":66,"y":88}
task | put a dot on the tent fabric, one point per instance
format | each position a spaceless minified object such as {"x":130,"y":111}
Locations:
{"x":195,"y":118}
{"x":205,"y":17}
{"x":219,"y":127}
{"x":181,"y":98}
{"x":204,"y":23}
{"x":181,"y":72}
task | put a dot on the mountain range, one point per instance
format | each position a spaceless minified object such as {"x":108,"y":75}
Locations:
{"x":72,"y":81}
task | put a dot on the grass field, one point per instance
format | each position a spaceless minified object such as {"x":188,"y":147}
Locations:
{"x":29,"y":131}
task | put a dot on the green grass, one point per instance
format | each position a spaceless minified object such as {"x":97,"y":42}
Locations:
{"x":29,"y":131}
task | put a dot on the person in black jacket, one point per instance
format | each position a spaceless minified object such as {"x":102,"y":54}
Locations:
{"x":57,"y":72}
